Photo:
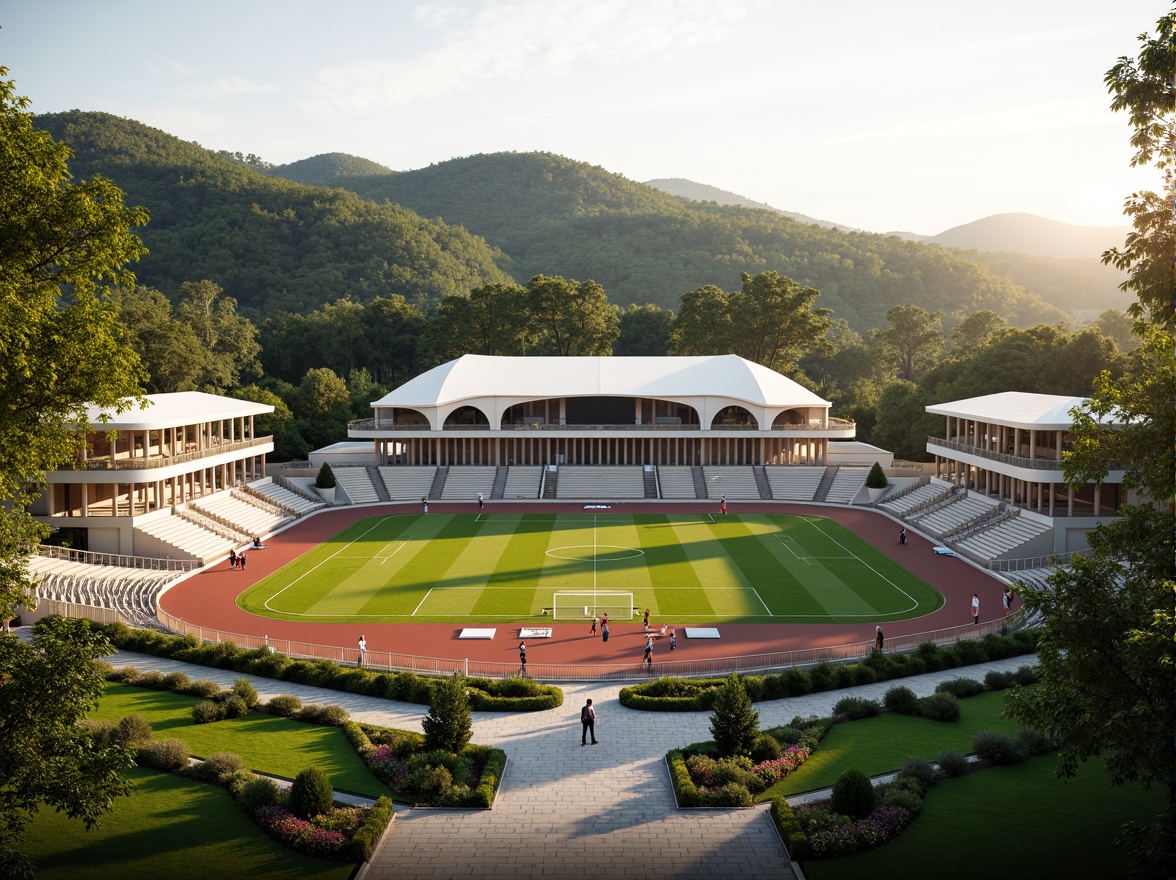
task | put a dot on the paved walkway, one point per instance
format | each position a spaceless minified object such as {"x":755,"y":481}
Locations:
{"x":604,"y":811}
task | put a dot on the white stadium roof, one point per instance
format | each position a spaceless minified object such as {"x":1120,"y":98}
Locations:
{"x":479,"y":376}
{"x":1016,"y":409}
{"x":175,"y":409}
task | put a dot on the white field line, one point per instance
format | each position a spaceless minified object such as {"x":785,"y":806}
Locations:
{"x":377,"y":524}
{"x":914,"y":602}
{"x":422,"y":602}
{"x":402,"y":545}
{"x":762,"y":602}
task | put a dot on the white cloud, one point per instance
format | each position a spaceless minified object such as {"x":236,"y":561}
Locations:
{"x":526,"y":39}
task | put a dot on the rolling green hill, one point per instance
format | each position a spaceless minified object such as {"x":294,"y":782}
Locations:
{"x":556,"y":216}
{"x":328,"y":169}
{"x":270,"y":243}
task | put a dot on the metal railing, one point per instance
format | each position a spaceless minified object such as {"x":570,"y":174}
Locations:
{"x":1026,"y":562}
{"x":1045,"y":464}
{"x":832,"y":425}
{"x":387,"y":661}
{"x":120,"y":559}
{"x":136,"y":464}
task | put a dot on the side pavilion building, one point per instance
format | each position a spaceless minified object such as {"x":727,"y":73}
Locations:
{"x":719,"y":410}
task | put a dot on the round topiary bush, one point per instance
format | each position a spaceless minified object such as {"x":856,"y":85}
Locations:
{"x":311,"y":794}
{"x":766,"y":748}
{"x":901,"y":699}
{"x":284,"y":706}
{"x":260,"y":792}
{"x":202,"y":687}
{"x":234,"y":706}
{"x":853,"y":795}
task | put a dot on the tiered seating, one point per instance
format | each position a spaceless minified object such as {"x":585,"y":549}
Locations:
{"x":466,"y":481}
{"x":794,"y":482}
{"x":1006,"y":535}
{"x":245,"y":517}
{"x":356,"y":483}
{"x":600,"y":481}
{"x":189,"y":539}
{"x":407,"y":483}
{"x":132,"y":592}
{"x":725,"y":481}
{"x":522,"y":481}
{"x":954,"y":515}
{"x":677,"y":481}
{"x":928,"y":494}
{"x":847,"y":482}
{"x":283,"y":496}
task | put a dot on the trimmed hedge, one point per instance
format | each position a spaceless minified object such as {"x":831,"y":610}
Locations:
{"x":698,"y":695}
{"x":790,"y":831}
{"x":486,"y":694}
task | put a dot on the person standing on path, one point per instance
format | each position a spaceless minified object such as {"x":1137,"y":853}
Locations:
{"x":481,"y":501}
{"x":588,"y":721}
{"x":723,"y":507}
{"x":232,"y":557}
{"x":523,"y":657}
{"x":649,"y":656}
{"x":241,"y":560}
{"x":604,"y":619}
{"x":902,"y":534}
{"x":604,"y":631}
{"x":362,"y":650}
{"x":646,"y":620}
{"x":424,"y":504}
{"x":877,"y":638}
{"x":673,"y":638}
{"x":592,"y":631}
{"x":975,"y":608}
{"x":1008,"y":600}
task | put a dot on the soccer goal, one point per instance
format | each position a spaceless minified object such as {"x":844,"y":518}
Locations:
{"x":586,"y":604}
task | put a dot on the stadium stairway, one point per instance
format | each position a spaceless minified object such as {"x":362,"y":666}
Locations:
{"x":699,"y":482}
{"x":847,"y":482}
{"x":500,"y":475}
{"x":377,"y":483}
{"x":650,"y":479}
{"x":438,"y":488}
{"x":761,"y":480}
{"x":825,"y":484}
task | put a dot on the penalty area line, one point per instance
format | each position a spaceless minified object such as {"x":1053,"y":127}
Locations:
{"x":762,"y":602}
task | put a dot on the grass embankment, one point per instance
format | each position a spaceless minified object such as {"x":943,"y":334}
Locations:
{"x":170,"y":827}
{"x":1018,"y":821}
{"x":269,"y":745}
{"x":881,"y":744}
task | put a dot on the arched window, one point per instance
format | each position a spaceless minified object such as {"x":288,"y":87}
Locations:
{"x":734,"y":418}
{"x":467,"y":417}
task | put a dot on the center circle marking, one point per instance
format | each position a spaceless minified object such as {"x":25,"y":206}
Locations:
{"x":624,"y":552}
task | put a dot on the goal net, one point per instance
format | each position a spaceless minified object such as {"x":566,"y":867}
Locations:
{"x":586,"y":604}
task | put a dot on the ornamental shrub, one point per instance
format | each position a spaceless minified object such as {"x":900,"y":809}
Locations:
{"x":920,"y":770}
{"x":244,"y":689}
{"x":325,"y":478}
{"x":259,"y":792}
{"x":734,"y":724}
{"x":168,"y":755}
{"x":853,"y":795}
{"x":940,"y":707}
{"x":284,"y":706}
{"x":997,"y":747}
{"x":996,"y":680}
{"x":785,"y":735}
{"x":952,"y":763}
{"x":436,"y":784}
{"x":1032,"y":742}
{"x":855,"y":708}
{"x":766,"y":748}
{"x":208,"y":712}
{"x":150,"y":679}
{"x":133,"y":730}
{"x":1026,"y":675}
{"x":102,"y":731}
{"x":327,"y":716}
{"x":234,"y":706}
{"x":822,"y":677}
{"x":176,"y":682}
{"x":218,"y":768}
{"x":970,"y":652}
{"x":901,"y":699}
{"x":311,"y":794}
{"x":907,"y":800}
{"x":876,"y":478}
{"x":960,"y":687}
{"x":202,"y":687}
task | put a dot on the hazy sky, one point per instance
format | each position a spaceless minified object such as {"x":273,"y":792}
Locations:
{"x":899,"y":115}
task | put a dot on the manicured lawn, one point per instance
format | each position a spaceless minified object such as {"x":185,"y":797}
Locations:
{"x":881,"y":744}
{"x":271,"y":745}
{"x":441,"y":567}
{"x":1012,"y":822}
{"x":169,"y":828}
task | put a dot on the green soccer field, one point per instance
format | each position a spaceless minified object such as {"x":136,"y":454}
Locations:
{"x":684,"y":568}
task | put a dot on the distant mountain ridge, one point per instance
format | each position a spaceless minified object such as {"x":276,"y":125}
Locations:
{"x":702,"y":192}
{"x":1030,"y":234}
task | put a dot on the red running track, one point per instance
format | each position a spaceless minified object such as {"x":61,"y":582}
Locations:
{"x":209,"y":598}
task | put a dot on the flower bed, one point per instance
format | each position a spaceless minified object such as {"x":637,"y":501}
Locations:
{"x":830,"y":834}
{"x":309,"y":836}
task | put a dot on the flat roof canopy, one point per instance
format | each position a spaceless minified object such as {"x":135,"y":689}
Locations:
{"x":1016,"y":409}
{"x":175,"y":409}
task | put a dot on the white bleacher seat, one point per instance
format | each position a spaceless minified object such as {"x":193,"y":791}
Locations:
{"x":357,"y":484}
{"x":464,"y":482}
{"x":676,"y":481}
{"x":522,"y":481}
{"x":407,"y":482}
{"x":600,"y":481}
{"x":794,"y":482}
{"x":731,"y":481}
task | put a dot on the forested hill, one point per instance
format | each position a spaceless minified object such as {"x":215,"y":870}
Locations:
{"x":270,"y":243}
{"x":328,"y":169}
{"x":555,"y":216}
